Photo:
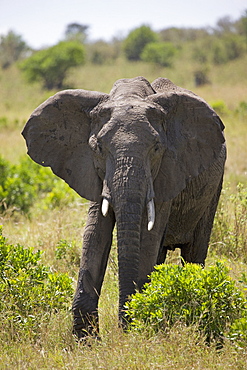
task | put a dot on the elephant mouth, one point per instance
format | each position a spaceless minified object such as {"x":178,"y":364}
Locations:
{"x":150,"y":211}
{"x":128,"y":188}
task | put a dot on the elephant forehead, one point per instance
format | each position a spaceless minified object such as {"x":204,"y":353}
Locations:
{"x":135,"y":87}
{"x":127,"y":106}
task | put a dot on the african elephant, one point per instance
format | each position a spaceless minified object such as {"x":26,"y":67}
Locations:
{"x":149,"y":157}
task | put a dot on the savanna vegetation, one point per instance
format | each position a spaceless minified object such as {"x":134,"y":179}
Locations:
{"x":43,"y":219}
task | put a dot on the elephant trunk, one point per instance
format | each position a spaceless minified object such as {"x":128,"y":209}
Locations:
{"x":131,"y":190}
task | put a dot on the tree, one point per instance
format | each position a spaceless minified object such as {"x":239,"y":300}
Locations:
{"x":242,"y":26}
{"x":137,"y":39}
{"x":101,"y":52}
{"x":76,"y":31}
{"x":51,"y":65}
{"x":180,"y":35}
{"x":12,"y":48}
{"x":225,"y":25}
{"x":161,"y":53}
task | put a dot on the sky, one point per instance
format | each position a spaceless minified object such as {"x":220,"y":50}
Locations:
{"x":42,"y":23}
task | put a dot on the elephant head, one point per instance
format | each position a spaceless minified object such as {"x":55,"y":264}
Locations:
{"x":137,"y":146}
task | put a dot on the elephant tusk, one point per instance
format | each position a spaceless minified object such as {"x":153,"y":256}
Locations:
{"x":105,"y":207}
{"x":151,"y":214}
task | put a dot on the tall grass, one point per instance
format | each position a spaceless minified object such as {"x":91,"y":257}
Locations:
{"x":181,"y":349}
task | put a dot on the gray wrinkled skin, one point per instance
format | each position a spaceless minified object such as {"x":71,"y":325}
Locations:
{"x":143,"y":142}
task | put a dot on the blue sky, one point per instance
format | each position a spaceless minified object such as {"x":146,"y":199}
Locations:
{"x":43,"y":22}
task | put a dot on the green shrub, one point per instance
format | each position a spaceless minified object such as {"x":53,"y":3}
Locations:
{"x":242,"y":108}
{"x":220,"y":107}
{"x":136,"y":41}
{"x":219,"y":49}
{"x":30,"y":291}
{"x":23,"y":184}
{"x":69,"y":254}
{"x":12,"y":48}
{"x":51,"y":65}
{"x":101,"y":52}
{"x":60,"y":195}
{"x":161,"y":53}
{"x":207,"y":298}
{"x":238,"y":330}
{"x":16,"y":187}
{"x":4,"y":122}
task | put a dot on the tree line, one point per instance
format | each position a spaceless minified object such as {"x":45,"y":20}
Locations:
{"x":212,"y":45}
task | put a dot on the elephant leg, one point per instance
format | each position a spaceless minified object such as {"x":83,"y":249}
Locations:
{"x":97,"y":240}
{"x":196,"y":251}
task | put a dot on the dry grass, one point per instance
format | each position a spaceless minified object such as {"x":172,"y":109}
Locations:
{"x":180,"y":349}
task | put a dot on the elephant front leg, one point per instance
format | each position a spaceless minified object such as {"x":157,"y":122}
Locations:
{"x":97,"y":241}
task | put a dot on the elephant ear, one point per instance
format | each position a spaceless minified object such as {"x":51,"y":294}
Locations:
{"x":57,"y":136}
{"x":194,"y":135}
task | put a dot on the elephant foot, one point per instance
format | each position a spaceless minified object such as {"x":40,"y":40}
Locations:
{"x":85,"y":325}
{"x":85,"y":314}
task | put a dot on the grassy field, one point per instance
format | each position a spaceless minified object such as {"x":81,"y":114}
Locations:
{"x":181,"y":348}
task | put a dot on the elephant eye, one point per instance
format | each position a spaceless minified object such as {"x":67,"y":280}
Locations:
{"x":157,"y":146}
{"x":95,"y":144}
{"x":105,"y":113}
{"x":99,"y":147}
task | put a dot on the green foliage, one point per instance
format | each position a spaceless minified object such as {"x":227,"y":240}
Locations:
{"x":12,"y":48}
{"x":229,"y":234}
{"x":228,"y":48}
{"x":76,"y":31}
{"x":219,"y":49}
{"x":220,"y":107}
{"x":182,"y":35}
{"x":207,"y":298}
{"x":51,"y":65}
{"x":238,"y":330}
{"x":57,"y":196}
{"x":30,"y":291}
{"x":4,"y":122}
{"x":23,"y":184}
{"x":242,"y":108}
{"x":161,"y":53}
{"x":68,"y":253}
{"x":102,"y":52}
{"x":136,"y":41}
{"x":16,"y":187}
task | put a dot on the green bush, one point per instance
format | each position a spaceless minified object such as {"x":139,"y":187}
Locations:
{"x":4,"y":122}
{"x":12,"y":48}
{"x":51,"y":65}
{"x":69,"y":254}
{"x":207,"y":298}
{"x":136,"y":41}
{"x":23,"y":184}
{"x":17,"y":190}
{"x":219,"y":49}
{"x":242,"y":108}
{"x":161,"y":53}
{"x":30,"y":291}
{"x":101,"y":52}
{"x":220,"y":107}
{"x":238,"y":330}
{"x":60,"y":195}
